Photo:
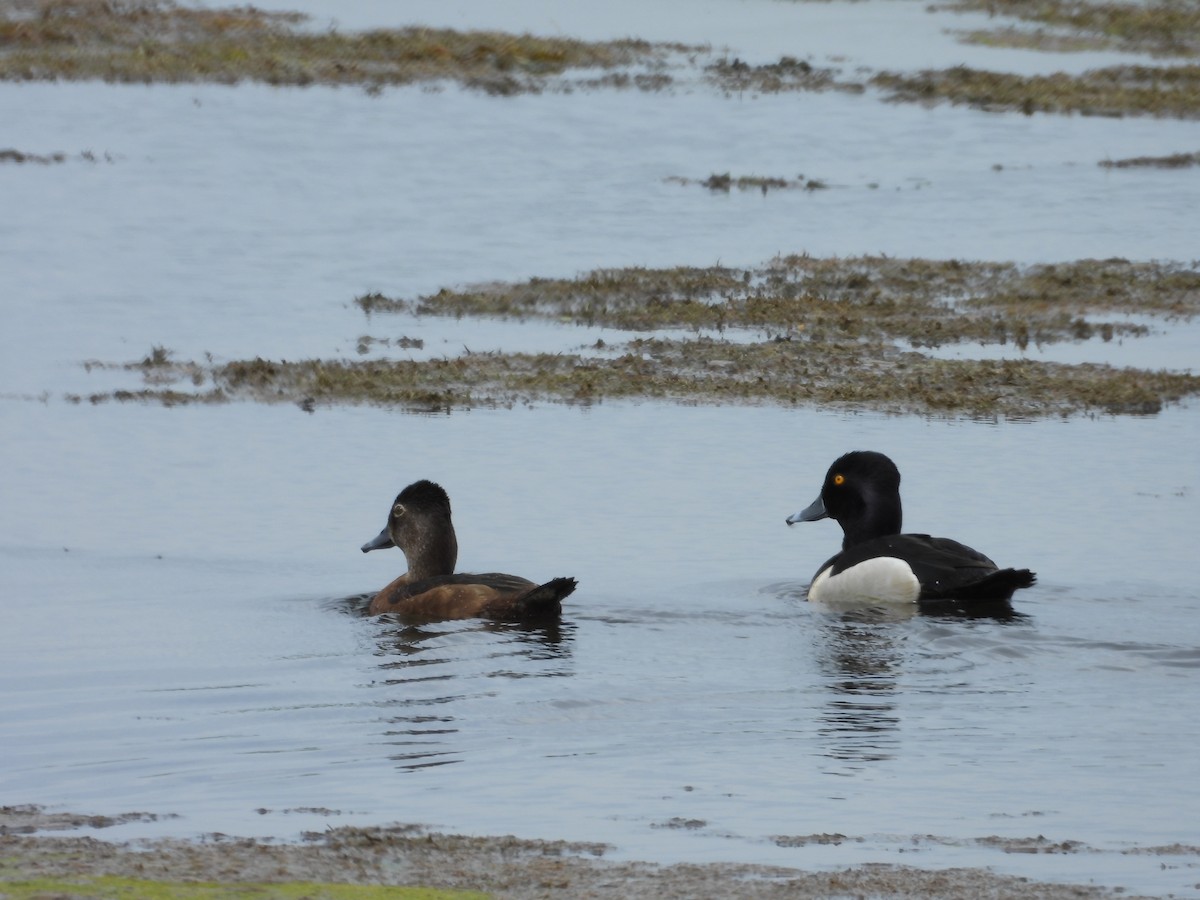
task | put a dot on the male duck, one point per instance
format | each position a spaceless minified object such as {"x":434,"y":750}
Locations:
{"x":419,"y":524}
{"x":877,"y":562}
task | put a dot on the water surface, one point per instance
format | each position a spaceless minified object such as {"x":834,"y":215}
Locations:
{"x":180,"y":584}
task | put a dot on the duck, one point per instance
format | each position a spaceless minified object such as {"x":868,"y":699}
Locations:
{"x":880,"y":564}
{"x":419,"y":523}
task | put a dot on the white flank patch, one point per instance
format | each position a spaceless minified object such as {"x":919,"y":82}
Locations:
{"x":883,"y":579}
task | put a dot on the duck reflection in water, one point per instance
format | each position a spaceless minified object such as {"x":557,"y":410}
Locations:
{"x":860,"y":659}
{"x":427,"y":675}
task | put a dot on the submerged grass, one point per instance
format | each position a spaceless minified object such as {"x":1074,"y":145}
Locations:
{"x":812,"y":332}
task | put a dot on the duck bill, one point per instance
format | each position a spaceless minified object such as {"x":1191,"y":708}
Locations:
{"x":811,"y":513}
{"x":381,"y":541}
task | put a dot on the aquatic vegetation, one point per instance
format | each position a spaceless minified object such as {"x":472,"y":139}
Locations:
{"x":156,"y":41}
{"x":724,"y":182}
{"x":847,"y":373}
{"x":16,"y":156}
{"x":1114,"y":91}
{"x":809,"y":331}
{"x":1172,"y":161}
{"x":162,"y":41}
{"x":735,"y":76}
{"x":923,"y":302}
{"x":1163,"y":28}
{"x":46,"y":159}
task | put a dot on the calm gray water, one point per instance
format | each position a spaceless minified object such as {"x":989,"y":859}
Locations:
{"x":180,"y":585}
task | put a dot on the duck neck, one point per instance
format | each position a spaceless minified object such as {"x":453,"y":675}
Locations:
{"x":436,"y":555}
{"x":876,"y":521}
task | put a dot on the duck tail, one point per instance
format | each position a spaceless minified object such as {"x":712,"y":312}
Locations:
{"x":999,"y":585}
{"x":546,"y":599}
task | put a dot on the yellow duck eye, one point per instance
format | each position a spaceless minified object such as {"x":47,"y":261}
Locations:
{"x":839,"y":479}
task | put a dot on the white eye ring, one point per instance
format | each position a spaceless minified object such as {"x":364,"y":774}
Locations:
{"x":398,"y":510}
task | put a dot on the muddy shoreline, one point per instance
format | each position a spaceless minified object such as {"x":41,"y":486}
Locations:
{"x":41,"y":857}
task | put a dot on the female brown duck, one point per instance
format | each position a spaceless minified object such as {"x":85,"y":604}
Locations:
{"x":419,"y":524}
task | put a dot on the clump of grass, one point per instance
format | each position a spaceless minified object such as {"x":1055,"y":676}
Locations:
{"x":162,"y":41}
{"x":1170,"y":28}
{"x":1114,"y":91}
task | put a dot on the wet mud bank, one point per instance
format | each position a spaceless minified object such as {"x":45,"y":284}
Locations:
{"x":358,"y":862}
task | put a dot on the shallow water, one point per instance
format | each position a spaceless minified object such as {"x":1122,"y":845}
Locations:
{"x":181,"y":635}
{"x":181,"y":585}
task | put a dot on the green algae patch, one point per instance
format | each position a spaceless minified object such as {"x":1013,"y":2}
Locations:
{"x":116,"y":888}
{"x":1168,"y":91}
{"x":155,"y":41}
{"x":1170,"y":28}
